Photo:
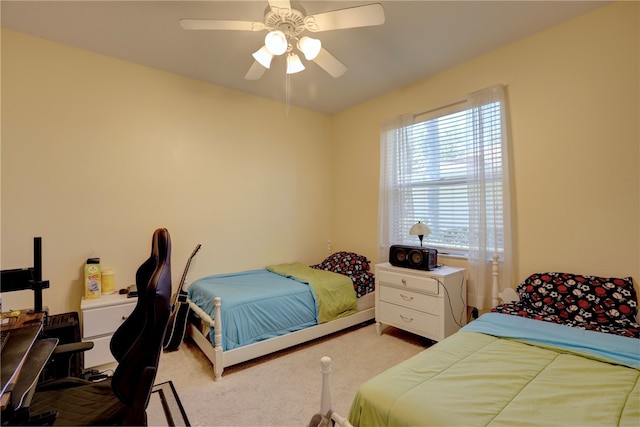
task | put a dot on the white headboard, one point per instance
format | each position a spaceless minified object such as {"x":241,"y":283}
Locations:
{"x":508,"y":294}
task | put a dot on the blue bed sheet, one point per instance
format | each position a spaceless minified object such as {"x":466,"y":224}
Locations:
{"x":256,"y":305}
{"x":609,"y":347}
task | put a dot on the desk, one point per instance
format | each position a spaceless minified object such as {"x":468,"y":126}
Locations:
{"x":23,"y":357}
{"x":25,"y":318}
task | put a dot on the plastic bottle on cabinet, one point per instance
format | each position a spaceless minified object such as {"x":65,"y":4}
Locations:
{"x":92,"y":279}
{"x":107,"y":281}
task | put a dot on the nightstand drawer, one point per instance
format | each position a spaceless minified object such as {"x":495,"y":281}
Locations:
{"x":413,"y":300}
{"x":424,"y":324}
{"x":100,"y":353}
{"x":105,"y":320}
{"x":409,"y":281}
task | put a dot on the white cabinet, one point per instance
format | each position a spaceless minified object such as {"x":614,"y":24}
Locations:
{"x":100,"y":319}
{"x":432,"y":304}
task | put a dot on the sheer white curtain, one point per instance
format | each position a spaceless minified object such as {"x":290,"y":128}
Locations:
{"x":489,"y":194}
{"x":394,"y":157}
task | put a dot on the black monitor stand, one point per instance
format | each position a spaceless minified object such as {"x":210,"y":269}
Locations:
{"x":37,"y":285}
{"x":20,"y":279}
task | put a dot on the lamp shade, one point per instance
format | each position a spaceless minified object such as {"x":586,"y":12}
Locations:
{"x":294,"y":65}
{"x":310,"y":47}
{"x":419,"y":229}
{"x":263,"y":56}
{"x":276,"y":42}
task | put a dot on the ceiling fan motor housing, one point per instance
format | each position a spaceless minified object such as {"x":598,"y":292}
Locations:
{"x":289,"y":21}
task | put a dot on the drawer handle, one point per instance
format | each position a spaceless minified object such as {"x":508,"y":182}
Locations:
{"x":406,"y":298}
{"x":404,"y":281}
{"x":406,"y":319}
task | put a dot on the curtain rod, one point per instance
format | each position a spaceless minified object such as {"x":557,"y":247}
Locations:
{"x":440,"y":107}
{"x":452,"y":103}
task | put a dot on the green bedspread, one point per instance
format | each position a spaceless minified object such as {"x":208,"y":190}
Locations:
{"x":334,"y":292}
{"x":475,"y":379}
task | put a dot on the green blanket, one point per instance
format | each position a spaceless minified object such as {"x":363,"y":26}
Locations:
{"x":334,"y":292}
{"x":472,"y":379}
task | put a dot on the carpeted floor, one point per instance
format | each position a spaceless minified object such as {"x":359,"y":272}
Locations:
{"x":282,"y":389}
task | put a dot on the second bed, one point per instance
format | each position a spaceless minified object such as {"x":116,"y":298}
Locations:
{"x":245,"y":315}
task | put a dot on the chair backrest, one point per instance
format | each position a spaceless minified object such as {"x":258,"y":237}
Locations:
{"x":126,"y":334}
{"x":137,"y":343}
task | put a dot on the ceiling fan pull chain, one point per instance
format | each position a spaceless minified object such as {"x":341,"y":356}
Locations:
{"x":287,"y":90}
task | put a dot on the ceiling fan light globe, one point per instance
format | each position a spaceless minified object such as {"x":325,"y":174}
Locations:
{"x":294,"y":65}
{"x":310,"y":47}
{"x":263,"y":56}
{"x":276,"y":42}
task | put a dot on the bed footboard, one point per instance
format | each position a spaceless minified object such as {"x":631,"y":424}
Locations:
{"x":221,"y":359}
{"x":327,"y":413}
{"x":213,"y":353}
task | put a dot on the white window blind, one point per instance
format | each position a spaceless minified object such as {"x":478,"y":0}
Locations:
{"x":429,"y":164}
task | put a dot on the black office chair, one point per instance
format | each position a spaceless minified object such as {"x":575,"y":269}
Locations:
{"x":136,"y":345}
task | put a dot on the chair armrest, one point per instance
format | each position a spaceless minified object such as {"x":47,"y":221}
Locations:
{"x":74,"y":347}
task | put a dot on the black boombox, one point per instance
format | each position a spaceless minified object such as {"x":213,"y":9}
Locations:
{"x":416,"y":257}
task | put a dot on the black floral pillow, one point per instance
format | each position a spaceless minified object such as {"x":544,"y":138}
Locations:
{"x":353,"y":265}
{"x":602,"y":304}
{"x":363,"y":282}
{"x":582,"y":298}
{"x":344,"y":262}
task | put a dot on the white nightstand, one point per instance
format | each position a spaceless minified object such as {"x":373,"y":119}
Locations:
{"x":100,"y":319}
{"x":432,"y":304}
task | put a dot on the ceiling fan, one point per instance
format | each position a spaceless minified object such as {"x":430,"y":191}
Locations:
{"x":285,"y":24}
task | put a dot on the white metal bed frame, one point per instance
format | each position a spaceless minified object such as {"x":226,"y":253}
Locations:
{"x":222,"y":359}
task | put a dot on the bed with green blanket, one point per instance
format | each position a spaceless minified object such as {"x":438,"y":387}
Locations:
{"x":482,"y":376}
{"x":521,"y":365}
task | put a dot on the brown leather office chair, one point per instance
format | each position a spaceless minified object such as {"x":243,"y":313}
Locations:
{"x":136,"y":345}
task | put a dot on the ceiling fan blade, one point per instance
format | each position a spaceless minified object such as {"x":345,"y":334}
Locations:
{"x":280,"y":7}
{"x":329,"y":63}
{"x":359,"y":16}
{"x":214,"y":24}
{"x":255,"y":72}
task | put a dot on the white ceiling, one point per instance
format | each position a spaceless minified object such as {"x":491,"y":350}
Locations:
{"x":417,"y":40}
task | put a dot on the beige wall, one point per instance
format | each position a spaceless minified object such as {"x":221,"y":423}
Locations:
{"x":575,"y":119}
{"x":97,"y":153}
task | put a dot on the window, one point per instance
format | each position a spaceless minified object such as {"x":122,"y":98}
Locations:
{"x":449,"y":168}
{"x":432,"y":163}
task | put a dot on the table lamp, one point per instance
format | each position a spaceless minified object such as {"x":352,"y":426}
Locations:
{"x":419,"y":230}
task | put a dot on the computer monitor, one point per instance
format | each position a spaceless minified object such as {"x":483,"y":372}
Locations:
{"x":20,"y":279}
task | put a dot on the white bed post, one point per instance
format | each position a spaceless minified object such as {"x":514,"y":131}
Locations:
{"x":498,"y":296}
{"x":213,"y":352}
{"x":495,"y":288}
{"x":218,"y":365}
{"x":326,"y":411}
{"x":325,"y":398}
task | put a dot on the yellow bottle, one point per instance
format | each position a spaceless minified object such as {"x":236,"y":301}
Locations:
{"x":108,"y":282}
